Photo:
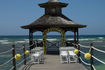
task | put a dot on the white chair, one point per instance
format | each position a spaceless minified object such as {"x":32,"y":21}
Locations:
{"x":72,"y":56}
{"x":37,"y":55}
{"x":63,"y":56}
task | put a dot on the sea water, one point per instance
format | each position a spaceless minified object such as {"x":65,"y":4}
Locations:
{"x":6,"y":43}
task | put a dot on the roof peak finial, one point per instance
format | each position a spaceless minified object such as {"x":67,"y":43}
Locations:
{"x":53,"y":1}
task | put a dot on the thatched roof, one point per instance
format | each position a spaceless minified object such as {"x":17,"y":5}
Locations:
{"x":47,"y":21}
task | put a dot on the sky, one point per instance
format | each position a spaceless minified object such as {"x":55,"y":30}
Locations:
{"x":16,"y":13}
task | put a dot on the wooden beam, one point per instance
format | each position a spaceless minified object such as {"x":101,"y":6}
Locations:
{"x":77,"y":35}
{"x":74,"y":36}
{"x":30,"y":39}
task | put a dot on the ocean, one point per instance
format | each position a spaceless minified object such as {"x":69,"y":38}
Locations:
{"x":6,"y":43}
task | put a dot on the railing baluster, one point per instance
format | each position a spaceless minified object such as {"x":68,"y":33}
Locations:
{"x":24,"y":54}
{"x":14,"y":61}
{"x":91,"y":52}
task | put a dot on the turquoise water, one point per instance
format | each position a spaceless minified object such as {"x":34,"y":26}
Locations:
{"x":6,"y":43}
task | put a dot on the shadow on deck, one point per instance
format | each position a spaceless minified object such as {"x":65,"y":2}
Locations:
{"x":52,"y":62}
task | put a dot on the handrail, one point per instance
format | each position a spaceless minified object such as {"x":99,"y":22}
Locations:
{"x":84,"y":46}
{"x":6,"y":62}
{"x":98,"y":60}
{"x":19,"y":48}
{"x":82,"y":52}
{"x":6,"y":51}
{"x":93,"y":67}
{"x":20,"y":63}
{"x":90,"y":51}
{"x":98,"y":50}
{"x":12,"y":68}
{"x":28,"y":57}
{"x":13,"y":50}
{"x":84,"y":62}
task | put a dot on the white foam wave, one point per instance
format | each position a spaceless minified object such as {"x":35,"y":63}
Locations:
{"x":20,"y":42}
{"x":52,"y":39}
{"x":98,"y":41}
{"x":26,"y":39}
{"x":3,"y":40}
{"x":49,"y":39}
{"x":40,"y":39}
{"x":100,"y":37}
{"x":6,"y":42}
{"x":86,"y":39}
{"x":70,"y":39}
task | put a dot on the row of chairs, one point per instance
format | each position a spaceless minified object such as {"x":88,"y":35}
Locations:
{"x":37,"y":56}
{"x":67,"y":55}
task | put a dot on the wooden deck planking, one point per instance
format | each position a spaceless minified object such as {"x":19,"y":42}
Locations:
{"x":52,"y":62}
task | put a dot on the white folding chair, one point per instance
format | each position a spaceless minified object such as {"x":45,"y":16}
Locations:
{"x":63,"y":56}
{"x":72,"y":56}
{"x":35,"y":57}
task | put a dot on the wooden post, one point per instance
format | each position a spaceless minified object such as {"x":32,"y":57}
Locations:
{"x":63,"y":38}
{"x":24,"y":54}
{"x":14,"y":61}
{"x":30,"y":39}
{"x":79,"y":55}
{"x":44,"y":42}
{"x":77,"y":36}
{"x":91,"y":52}
{"x":74,"y":36}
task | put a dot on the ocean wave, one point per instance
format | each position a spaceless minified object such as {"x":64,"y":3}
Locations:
{"x":70,"y":39}
{"x":49,"y":39}
{"x":86,"y":39}
{"x":3,"y":40}
{"x":40,"y":39}
{"x":100,"y":37}
{"x":98,"y":41}
{"x":20,"y":42}
{"x":52,"y":39}
{"x":6,"y":42}
{"x":83,"y":39}
{"x":26,"y":39}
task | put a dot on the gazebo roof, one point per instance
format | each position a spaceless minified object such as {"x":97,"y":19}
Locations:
{"x":53,"y":17}
{"x":53,"y":21}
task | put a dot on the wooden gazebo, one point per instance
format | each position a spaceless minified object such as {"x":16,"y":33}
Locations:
{"x":53,"y":20}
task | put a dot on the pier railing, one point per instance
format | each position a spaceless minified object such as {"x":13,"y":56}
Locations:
{"x":16,"y":50}
{"x":91,"y":49}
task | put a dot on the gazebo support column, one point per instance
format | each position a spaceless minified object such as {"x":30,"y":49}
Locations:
{"x":30,"y":39}
{"x":74,"y":36}
{"x":63,"y":39}
{"x":77,"y":36}
{"x":44,"y":43}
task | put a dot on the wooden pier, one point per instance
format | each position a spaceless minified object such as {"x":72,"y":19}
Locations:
{"x":52,"y":62}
